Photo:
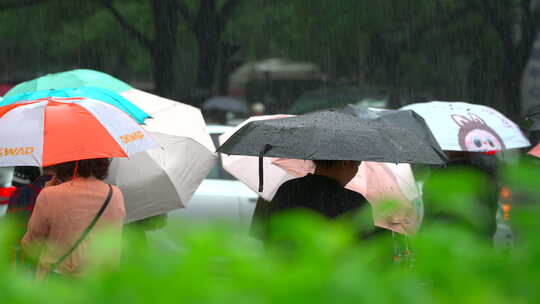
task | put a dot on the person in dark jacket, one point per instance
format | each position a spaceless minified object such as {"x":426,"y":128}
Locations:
{"x":322,"y":192}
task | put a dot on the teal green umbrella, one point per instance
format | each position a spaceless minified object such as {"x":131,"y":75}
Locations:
{"x":70,"y":79}
{"x":86,"y":92}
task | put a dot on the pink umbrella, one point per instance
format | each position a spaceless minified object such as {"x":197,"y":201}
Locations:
{"x":246,"y":168}
{"x":535,"y":151}
{"x":378,"y":182}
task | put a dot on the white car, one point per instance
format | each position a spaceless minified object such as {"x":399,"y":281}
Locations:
{"x":220,"y":197}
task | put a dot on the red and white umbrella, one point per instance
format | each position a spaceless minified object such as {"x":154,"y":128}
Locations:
{"x":50,"y":131}
{"x":377,"y":182}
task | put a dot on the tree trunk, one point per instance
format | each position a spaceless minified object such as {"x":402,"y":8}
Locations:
{"x":511,"y":87}
{"x":208,"y":36}
{"x":228,"y":61}
{"x":514,"y":65}
{"x":164,"y":48}
{"x":209,"y":49}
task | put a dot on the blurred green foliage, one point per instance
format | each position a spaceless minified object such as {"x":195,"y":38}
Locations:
{"x":312,"y":260}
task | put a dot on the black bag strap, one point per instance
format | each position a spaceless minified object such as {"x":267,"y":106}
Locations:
{"x":85,"y":233}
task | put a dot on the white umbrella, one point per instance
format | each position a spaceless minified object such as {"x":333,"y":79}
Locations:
{"x":159,"y":181}
{"x":376,"y":181}
{"x":460,"y":126}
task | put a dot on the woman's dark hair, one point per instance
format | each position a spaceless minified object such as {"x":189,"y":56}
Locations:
{"x":326,"y":163}
{"x":97,"y":167}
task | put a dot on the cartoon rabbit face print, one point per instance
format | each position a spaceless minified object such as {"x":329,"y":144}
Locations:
{"x":475,"y":135}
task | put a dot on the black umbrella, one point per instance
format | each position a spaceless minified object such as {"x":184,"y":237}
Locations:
{"x":350,"y":133}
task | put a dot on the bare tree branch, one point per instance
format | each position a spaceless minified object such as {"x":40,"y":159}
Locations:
{"x":21,"y":4}
{"x":184,"y":11}
{"x":145,"y":41}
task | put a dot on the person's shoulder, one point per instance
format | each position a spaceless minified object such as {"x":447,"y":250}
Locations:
{"x":50,"y":193}
{"x":354,"y":196}
{"x":53,"y":189}
{"x":289,"y":188}
{"x":117,"y":192}
{"x":62,"y":190}
{"x":295,"y":182}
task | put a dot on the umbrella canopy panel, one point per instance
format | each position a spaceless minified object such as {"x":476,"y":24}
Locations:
{"x":161,"y":180}
{"x":346,"y":134}
{"x":171,"y":117}
{"x":101,"y":94}
{"x":70,"y":79}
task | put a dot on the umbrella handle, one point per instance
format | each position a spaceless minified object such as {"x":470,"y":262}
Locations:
{"x":265,"y":149}
{"x":261,"y":174}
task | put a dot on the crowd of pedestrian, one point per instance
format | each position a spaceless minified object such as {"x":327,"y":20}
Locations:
{"x":62,"y":204}
{"x":54,"y":213}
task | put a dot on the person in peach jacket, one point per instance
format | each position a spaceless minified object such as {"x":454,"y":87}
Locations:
{"x":65,"y":210}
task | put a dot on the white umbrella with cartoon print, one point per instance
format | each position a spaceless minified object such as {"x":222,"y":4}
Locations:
{"x":460,"y":126}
